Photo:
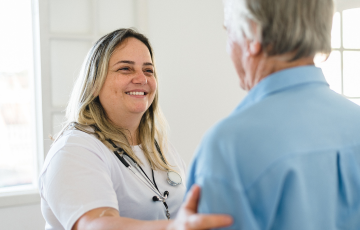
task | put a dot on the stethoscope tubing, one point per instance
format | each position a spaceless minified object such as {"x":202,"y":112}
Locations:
{"x":120,"y":153}
{"x":148,"y":183}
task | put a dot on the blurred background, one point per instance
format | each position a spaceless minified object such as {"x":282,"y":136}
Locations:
{"x":43,"y":44}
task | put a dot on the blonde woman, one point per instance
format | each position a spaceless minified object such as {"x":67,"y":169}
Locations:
{"x":111,"y":166}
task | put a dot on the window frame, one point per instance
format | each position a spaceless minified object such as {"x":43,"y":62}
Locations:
{"x":341,"y":49}
{"x":28,"y":194}
{"x":44,"y":109}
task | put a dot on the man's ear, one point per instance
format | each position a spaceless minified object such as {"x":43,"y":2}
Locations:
{"x":254,"y":48}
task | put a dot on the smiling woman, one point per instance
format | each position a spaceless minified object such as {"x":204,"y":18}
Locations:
{"x":130,"y":85}
{"x":111,"y":164}
{"x":119,"y":64}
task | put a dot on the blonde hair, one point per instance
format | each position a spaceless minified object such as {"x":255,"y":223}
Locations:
{"x":283,"y":26}
{"x":85,"y":112}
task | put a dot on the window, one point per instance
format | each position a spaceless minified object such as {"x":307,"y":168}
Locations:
{"x":342,"y":69}
{"x":66,"y":29}
{"x":17,"y":100}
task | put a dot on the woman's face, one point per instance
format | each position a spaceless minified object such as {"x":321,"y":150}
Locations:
{"x":130,"y":85}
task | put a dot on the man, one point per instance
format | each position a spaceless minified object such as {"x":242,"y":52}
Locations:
{"x":288,"y":157}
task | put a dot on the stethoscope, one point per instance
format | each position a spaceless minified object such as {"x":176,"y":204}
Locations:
{"x":173,"y":178}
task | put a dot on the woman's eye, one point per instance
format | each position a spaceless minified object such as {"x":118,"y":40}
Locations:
{"x":149,"y":71}
{"x":124,"y":69}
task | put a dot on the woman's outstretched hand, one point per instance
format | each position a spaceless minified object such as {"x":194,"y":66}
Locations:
{"x":188,"y":218}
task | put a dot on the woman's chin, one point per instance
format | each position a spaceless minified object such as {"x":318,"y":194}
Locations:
{"x":139,"y":110}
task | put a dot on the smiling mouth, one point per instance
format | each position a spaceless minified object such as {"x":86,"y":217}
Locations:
{"x":136,"y":93}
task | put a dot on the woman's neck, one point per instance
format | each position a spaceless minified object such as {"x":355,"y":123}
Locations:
{"x":132,"y":136}
{"x":131,"y":125}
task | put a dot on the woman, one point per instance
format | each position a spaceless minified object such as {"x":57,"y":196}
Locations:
{"x":110,"y":167}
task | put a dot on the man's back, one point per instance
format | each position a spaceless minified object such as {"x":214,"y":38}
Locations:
{"x":287,"y":158}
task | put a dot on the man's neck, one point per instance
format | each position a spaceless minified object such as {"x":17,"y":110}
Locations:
{"x":269,"y":65}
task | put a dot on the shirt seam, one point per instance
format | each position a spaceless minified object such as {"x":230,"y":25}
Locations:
{"x":97,"y":204}
{"x":294,"y":155}
{"x":278,"y":161}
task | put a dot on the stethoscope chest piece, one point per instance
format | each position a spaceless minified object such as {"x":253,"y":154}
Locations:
{"x":173,"y":178}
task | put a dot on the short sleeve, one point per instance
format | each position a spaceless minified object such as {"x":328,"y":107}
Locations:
{"x":77,"y":179}
{"x":219,"y":195}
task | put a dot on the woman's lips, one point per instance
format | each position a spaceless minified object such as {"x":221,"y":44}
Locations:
{"x":136,"y":93}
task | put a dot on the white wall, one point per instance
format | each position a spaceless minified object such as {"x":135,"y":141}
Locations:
{"x":198,"y":85}
{"x":27,"y":217}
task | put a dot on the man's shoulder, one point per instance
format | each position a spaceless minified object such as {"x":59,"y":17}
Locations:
{"x":238,"y":122}
{"x":290,"y":117}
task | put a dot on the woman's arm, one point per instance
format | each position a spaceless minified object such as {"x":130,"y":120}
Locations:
{"x":109,"y":219}
{"x":187,"y":219}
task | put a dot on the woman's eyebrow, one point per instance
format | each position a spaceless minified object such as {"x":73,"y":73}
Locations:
{"x":132,"y":62}
{"x":125,"y":61}
{"x":148,"y":63}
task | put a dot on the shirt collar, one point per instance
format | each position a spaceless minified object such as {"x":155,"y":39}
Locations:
{"x":282,"y":80}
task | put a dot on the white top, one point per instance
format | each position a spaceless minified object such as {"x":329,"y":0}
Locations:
{"x":80,"y":174}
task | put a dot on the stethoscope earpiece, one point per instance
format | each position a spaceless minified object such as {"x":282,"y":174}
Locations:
{"x":156,"y":198}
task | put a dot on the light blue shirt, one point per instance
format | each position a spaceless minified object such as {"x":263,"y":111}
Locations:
{"x":287,"y":158}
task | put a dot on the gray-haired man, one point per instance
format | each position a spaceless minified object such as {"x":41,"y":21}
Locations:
{"x":288,"y":157}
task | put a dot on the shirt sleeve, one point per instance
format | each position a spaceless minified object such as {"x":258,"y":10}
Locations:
{"x":76,"y":180}
{"x":220,"y":194}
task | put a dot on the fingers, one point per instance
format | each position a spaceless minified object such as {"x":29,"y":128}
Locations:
{"x":192,"y":198}
{"x":200,"y":221}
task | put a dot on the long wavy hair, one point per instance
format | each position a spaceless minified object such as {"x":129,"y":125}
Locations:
{"x":85,"y":112}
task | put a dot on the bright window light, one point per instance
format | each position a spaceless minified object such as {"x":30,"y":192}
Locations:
{"x":335,"y":32}
{"x":17,"y":121}
{"x":331,"y":69}
{"x":352,"y":73}
{"x":342,"y":69}
{"x":351,"y":28}
{"x":356,"y":101}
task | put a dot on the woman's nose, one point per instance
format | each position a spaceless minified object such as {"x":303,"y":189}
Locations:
{"x":140,"y":78}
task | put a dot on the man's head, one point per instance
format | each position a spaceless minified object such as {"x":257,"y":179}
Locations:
{"x":290,"y":30}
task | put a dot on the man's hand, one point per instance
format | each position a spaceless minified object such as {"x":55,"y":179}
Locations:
{"x":188,"y":218}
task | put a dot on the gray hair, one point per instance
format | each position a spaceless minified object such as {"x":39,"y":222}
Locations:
{"x":302,"y":27}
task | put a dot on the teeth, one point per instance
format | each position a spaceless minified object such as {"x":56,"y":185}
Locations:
{"x":135,"y":93}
